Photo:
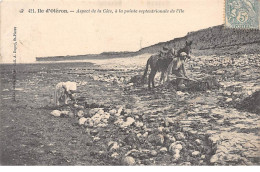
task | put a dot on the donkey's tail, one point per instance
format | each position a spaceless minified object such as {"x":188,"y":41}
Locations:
{"x":145,"y":71}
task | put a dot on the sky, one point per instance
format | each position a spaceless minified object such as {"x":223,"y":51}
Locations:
{"x":57,"y":34}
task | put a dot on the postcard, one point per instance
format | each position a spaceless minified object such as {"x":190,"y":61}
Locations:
{"x":129,"y":83}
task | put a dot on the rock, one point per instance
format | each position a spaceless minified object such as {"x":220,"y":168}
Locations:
{"x":180,"y":136}
{"x":153,"y":153}
{"x":104,"y":120}
{"x":198,"y":141}
{"x":145,"y":134}
{"x":89,"y":123}
{"x":96,"y":118}
{"x":115,"y":155}
{"x":237,"y":99}
{"x":185,"y":164}
{"x":195,"y":153}
{"x":139,"y":124}
{"x":64,"y":112}
{"x":128,"y":111}
{"x":163,"y":150}
{"x":80,"y":107}
{"x":80,"y":113}
{"x":82,"y":120}
{"x":160,"y":139}
{"x":95,"y":139}
{"x":105,"y":116}
{"x":227,"y":93}
{"x":113,"y":146}
{"x":101,"y":125}
{"x":166,"y":130}
{"x":117,"y":114}
{"x":168,"y":121}
{"x":94,"y":132}
{"x":130,"y":120}
{"x":112,"y":111}
{"x":214,"y":159}
{"x":174,"y":147}
{"x":119,"y":111}
{"x":128,"y":160}
{"x":179,"y":93}
{"x":56,"y":113}
{"x":92,"y":112}
{"x":202,"y":156}
{"x":132,"y":152}
{"x":100,"y":111}
{"x":176,"y":155}
{"x":160,"y":129}
{"x":249,"y":93}
{"x":139,"y":135}
{"x":229,"y":100}
{"x":119,"y":121}
{"x":214,"y":139}
{"x":157,"y":139}
{"x":171,"y":138}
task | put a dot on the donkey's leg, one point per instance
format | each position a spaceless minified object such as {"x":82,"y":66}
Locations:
{"x":149,"y":80}
{"x":163,"y":77}
{"x":169,"y":70}
{"x":152,"y":77}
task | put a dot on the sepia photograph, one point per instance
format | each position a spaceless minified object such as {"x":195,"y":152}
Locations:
{"x":129,"y":83}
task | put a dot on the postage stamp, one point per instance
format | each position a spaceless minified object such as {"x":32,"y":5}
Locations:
{"x":242,"y":14}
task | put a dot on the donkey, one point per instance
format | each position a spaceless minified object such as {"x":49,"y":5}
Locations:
{"x":157,"y":63}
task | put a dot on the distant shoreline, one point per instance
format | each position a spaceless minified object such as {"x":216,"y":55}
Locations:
{"x":216,"y":40}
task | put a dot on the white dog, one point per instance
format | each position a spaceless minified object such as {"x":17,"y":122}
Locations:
{"x":64,"y":91}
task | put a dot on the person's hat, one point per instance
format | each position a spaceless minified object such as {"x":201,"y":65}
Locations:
{"x":183,"y":54}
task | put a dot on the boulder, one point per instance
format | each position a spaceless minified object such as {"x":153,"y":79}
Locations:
{"x":120,"y":109}
{"x":163,"y":150}
{"x":251,"y":103}
{"x":157,"y":139}
{"x":112,"y":146}
{"x":180,"y":136}
{"x":115,"y":155}
{"x":153,"y":153}
{"x":82,"y":120}
{"x":139,"y":124}
{"x":195,"y":153}
{"x":80,"y":113}
{"x":128,"y":160}
{"x":96,"y":118}
{"x":176,"y":155}
{"x":56,"y":113}
{"x":174,"y":147}
{"x":112,"y":111}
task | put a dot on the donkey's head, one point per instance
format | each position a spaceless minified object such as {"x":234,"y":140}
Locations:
{"x":187,"y":48}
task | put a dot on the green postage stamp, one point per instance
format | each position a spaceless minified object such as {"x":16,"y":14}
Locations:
{"x":242,"y":14}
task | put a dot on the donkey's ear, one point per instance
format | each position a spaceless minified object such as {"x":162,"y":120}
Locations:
{"x":186,"y":42}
